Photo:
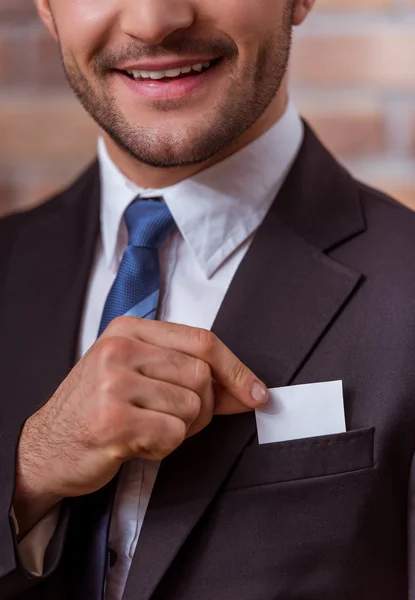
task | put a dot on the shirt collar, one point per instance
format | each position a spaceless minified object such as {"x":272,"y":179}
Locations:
{"x":217,"y":209}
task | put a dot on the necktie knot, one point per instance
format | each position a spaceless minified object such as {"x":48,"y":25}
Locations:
{"x":149,"y":222}
{"x":135,"y":291}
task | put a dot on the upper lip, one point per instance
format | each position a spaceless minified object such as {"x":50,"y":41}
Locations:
{"x":166,"y":64}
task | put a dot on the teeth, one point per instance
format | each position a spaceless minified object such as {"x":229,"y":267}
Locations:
{"x":169,"y":73}
{"x":142,"y":74}
{"x":157,"y":74}
{"x":173,"y":73}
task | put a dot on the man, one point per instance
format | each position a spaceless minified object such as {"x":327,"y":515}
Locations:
{"x":212,"y":207}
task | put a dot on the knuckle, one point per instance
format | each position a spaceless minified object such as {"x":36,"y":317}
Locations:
{"x":109,"y":386}
{"x":177,"y":435}
{"x":114,"y":349}
{"x":237,"y":373}
{"x":192,"y":404}
{"x":202,"y":373}
{"x":206,"y":340}
{"x":120,"y":324}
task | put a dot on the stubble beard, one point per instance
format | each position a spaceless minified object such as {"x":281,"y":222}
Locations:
{"x":216,"y":131}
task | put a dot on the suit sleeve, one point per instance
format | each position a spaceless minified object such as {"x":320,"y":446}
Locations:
{"x":15,"y":578}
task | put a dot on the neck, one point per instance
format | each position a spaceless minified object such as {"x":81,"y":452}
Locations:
{"x":156,"y":178}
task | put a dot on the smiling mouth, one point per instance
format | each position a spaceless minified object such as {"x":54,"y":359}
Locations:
{"x":170,"y":75}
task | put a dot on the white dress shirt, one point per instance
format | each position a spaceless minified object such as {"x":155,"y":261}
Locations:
{"x":217,"y":213}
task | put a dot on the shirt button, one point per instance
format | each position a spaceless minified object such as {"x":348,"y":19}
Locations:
{"x":112,"y":557}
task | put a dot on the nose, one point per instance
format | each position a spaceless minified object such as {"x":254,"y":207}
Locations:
{"x":152,"y":21}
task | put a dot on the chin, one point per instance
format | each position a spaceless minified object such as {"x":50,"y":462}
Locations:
{"x":169,"y":160}
{"x":172,"y":148}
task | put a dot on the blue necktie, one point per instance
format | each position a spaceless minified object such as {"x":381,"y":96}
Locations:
{"x":136,"y":289}
{"x":135,"y":292}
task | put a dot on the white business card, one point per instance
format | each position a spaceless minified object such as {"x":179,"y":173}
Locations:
{"x":301,"y":411}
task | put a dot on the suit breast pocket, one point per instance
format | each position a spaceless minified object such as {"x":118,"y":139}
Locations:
{"x":304,"y":459}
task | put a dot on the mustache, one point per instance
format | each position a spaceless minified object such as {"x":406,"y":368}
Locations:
{"x":108,"y":59}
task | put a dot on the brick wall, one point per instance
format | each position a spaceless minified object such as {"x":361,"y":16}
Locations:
{"x":353,"y":77}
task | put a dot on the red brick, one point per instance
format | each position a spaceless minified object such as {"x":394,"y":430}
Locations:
{"x":17,"y":10}
{"x":45,"y":128}
{"x":29,"y":56}
{"x":47,"y":67}
{"x":355,"y":130}
{"x":16,"y":55}
{"x":354,"y":5}
{"x":379,"y":57}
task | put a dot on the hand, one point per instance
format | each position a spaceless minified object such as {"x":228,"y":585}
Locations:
{"x":140,"y":391}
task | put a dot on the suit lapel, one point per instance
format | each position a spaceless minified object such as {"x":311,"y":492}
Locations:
{"x":284,"y":296}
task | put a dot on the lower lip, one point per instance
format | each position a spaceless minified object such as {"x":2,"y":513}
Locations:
{"x":167,"y":90}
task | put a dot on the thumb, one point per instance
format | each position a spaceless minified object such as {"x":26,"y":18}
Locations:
{"x":225,"y":403}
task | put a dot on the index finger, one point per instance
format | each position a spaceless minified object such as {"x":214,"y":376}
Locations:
{"x":226,"y":368}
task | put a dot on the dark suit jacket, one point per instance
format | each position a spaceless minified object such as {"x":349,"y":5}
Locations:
{"x":326,"y":291}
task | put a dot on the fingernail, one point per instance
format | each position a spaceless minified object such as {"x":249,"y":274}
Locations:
{"x":259,"y":393}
